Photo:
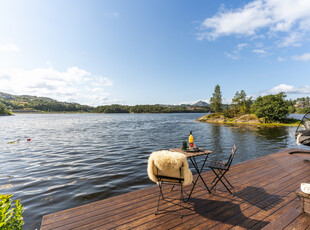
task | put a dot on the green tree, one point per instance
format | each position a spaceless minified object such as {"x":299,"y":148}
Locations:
{"x":3,"y":109}
{"x":10,"y":213}
{"x":273,"y":108}
{"x":240,"y":102}
{"x":216,"y":99}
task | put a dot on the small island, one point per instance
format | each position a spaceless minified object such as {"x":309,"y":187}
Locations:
{"x":265,"y":110}
{"x":250,"y":119}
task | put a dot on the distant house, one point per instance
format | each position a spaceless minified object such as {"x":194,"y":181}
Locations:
{"x":300,"y":104}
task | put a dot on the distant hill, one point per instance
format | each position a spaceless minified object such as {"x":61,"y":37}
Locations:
{"x":201,"y":103}
{"x":24,"y":103}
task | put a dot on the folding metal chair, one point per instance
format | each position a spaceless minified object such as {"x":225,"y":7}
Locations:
{"x":172,"y":181}
{"x":220,"y":168}
{"x":166,"y":167}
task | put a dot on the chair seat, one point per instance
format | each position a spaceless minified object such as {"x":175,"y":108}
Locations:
{"x":218,"y":164}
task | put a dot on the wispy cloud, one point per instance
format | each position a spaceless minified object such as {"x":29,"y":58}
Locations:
{"x":304,"y":57}
{"x":241,"y":46}
{"x":259,"y":51}
{"x":235,"y":54}
{"x":74,"y":84}
{"x":9,"y":47}
{"x":289,"y":89}
{"x":293,"y":39}
{"x":259,"y":17}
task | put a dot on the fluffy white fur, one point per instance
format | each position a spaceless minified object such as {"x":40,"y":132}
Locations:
{"x":168,"y":163}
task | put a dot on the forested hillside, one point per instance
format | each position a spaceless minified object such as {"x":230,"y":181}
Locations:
{"x":151,"y":109}
{"x":33,"y":103}
{"x":25,"y":103}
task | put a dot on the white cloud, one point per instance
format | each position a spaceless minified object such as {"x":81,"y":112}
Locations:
{"x":193,"y":102}
{"x":234,"y":56}
{"x":74,"y":84}
{"x":187,"y":102}
{"x":240,"y":21}
{"x":304,"y":57}
{"x":281,"y":59}
{"x":226,"y":100}
{"x":259,"y":51}
{"x":9,"y":47}
{"x":241,"y":46}
{"x":289,"y":89}
{"x":259,"y":44}
{"x":293,"y":39}
{"x":258,"y":17}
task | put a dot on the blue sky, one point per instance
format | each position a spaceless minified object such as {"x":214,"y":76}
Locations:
{"x":149,"y":52}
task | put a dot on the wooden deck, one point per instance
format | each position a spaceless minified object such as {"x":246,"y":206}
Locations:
{"x":264,"y":198}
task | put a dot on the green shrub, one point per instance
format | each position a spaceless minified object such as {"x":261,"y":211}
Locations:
{"x":273,"y":108}
{"x":3,"y":109}
{"x":10,"y":213}
{"x":230,"y":113}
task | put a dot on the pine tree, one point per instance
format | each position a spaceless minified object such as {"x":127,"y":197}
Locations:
{"x":216,"y":100}
{"x":240,"y":102}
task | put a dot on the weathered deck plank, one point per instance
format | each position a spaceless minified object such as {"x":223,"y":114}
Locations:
{"x":264,"y":191}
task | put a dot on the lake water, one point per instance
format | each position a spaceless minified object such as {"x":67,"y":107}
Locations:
{"x":75,"y":159}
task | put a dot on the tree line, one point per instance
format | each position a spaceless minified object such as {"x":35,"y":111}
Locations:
{"x":272,"y":108}
{"x":10,"y":102}
{"x":115,"y":108}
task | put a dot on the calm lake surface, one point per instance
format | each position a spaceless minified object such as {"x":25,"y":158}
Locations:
{"x":75,"y":159}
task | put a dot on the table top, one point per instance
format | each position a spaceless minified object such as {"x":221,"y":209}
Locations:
{"x":192,"y":154}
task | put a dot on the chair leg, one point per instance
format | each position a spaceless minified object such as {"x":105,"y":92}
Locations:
{"x":181,"y":200}
{"x":161,"y":190}
{"x":228,"y":182}
{"x":158,"y":204}
{"x":161,"y":196}
{"x":219,"y":177}
{"x":220,"y":173}
{"x":216,"y":179}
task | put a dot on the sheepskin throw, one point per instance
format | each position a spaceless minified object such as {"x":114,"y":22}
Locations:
{"x":168,"y":163}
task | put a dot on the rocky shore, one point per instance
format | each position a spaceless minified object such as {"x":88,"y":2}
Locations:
{"x":243,"y":119}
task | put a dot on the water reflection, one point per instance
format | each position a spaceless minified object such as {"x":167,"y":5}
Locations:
{"x":216,"y":134}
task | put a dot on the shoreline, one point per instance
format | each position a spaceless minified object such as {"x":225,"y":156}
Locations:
{"x":247,"y":123}
{"x":248,"y":119}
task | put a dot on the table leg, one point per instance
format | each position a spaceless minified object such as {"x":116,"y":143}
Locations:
{"x":193,"y":160}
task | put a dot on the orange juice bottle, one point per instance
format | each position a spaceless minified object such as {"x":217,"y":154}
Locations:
{"x":191,"y":140}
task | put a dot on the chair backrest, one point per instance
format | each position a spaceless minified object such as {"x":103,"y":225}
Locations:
{"x":305,"y":122}
{"x":231,"y":157}
{"x":170,"y":167}
{"x":171,"y":175}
